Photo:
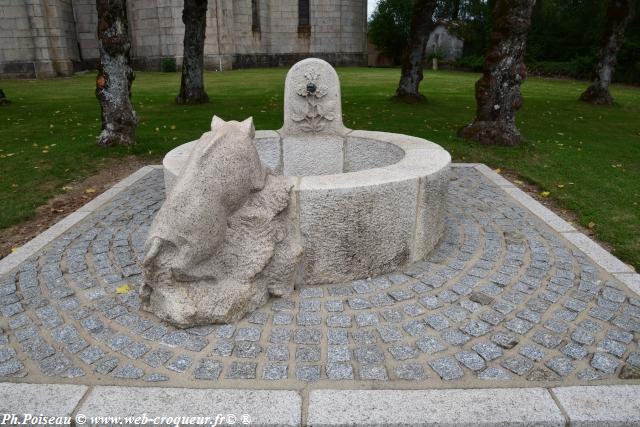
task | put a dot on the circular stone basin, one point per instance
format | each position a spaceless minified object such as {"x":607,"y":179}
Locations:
{"x":365,"y":204}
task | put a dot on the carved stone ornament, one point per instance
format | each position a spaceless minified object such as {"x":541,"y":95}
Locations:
{"x":312,"y":115}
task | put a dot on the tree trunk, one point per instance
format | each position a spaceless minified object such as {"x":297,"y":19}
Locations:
{"x":498,"y":90}
{"x":113,"y":83}
{"x":455,"y":10}
{"x":194,"y":16}
{"x":421,"y":26}
{"x":619,"y":13}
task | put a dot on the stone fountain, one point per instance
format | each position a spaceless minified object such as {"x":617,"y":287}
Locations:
{"x":252,"y":213}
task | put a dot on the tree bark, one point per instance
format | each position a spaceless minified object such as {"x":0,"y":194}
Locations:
{"x":455,"y":10}
{"x":498,"y":94}
{"x":194,"y":16}
{"x":619,"y":13}
{"x":411,"y":75}
{"x":113,"y":83}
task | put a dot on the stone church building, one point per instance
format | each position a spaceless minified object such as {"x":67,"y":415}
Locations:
{"x":48,"y":38}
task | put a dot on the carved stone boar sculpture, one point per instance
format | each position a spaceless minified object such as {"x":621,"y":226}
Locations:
{"x":224,"y":238}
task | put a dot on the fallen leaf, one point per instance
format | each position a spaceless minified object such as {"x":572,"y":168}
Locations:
{"x":591,"y":225}
{"x":90,"y":190}
{"x":517,"y":181}
{"x":545,"y":194}
{"x":498,"y":170}
{"x":560,"y":185}
{"x":13,"y":249}
{"x":124,"y":289}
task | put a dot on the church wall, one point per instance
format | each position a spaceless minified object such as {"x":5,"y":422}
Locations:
{"x":48,"y":38}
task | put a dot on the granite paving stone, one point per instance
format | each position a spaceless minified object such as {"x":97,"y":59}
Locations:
{"x":275,"y":371}
{"x":494,"y":373}
{"x":106,"y":365}
{"x":223,"y":347}
{"x":339,"y":371}
{"x":518,"y":365}
{"x":308,"y":354}
{"x":532,"y":352}
{"x":471,"y":360}
{"x":546,"y":340}
{"x":611,"y":346}
{"x":278,"y":352}
{"x":488,"y":350}
{"x":158,"y":357}
{"x":403,"y":352}
{"x":447,"y":368}
{"x":476,"y":328}
{"x":368,"y":355}
{"x":410,"y":371}
{"x":179,"y":364}
{"x":10,"y":367}
{"x":308,"y":373}
{"x":373,"y":372}
{"x":582,"y":336}
{"x":127,"y":372}
{"x":389,"y":333}
{"x":605,"y":362}
{"x":561,"y":366}
{"x":338,"y":353}
{"x":208,"y":369}
{"x":366,"y":319}
{"x":247,"y":349}
{"x":454,"y":337}
{"x":242,"y":370}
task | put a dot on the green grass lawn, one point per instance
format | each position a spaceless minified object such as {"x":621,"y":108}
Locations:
{"x":587,"y":157}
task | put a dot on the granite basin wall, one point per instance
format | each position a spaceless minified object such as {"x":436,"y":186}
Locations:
{"x":366,"y":203}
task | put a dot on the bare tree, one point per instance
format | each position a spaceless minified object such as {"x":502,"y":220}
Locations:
{"x":498,"y":94}
{"x":619,"y":13}
{"x":113,"y":83}
{"x":411,"y":75}
{"x":194,"y":16}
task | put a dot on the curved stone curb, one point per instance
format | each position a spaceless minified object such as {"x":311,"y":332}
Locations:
{"x":30,"y":248}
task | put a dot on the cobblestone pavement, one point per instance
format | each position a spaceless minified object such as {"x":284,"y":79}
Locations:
{"x":503,"y":299}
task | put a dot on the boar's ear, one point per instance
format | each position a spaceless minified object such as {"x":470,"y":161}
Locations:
{"x":247,"y":127}
{"x":217,"y":123}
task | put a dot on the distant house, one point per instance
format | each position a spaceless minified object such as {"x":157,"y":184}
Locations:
{"x":442,"y":42}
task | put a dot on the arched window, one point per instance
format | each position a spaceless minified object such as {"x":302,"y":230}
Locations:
{"x":255,"y":15}
{"x":303,"y":13}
